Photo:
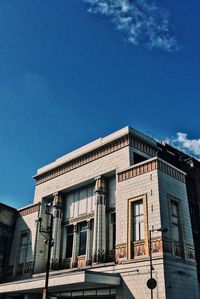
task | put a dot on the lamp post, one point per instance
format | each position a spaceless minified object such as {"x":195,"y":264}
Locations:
{"x":48,"y":240}
{"x":152,"y":283}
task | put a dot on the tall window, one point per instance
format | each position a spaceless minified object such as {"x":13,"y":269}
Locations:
{"x":23,"y":248}
{"x":138,"y":220}
{"x":175,"y":221}
{"x":70,"y":237}
{"x":83,"y":238}
{"x":113,"y":222}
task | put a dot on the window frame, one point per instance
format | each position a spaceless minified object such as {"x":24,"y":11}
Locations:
{"x":177,"y":202}
{"x":131,"y":201}
{"x":69,"y":235}
{"x":84,"y":232}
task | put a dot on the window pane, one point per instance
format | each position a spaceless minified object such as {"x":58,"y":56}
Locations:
{"x":70,"y":237}
{"x":141,"y":230}
{"x":82,"y":244}
{"x":175,"y":232}
{"x":69,"y":246}
{"x":138,"y":220}
{"x":23,"y":248}
{"x":83,"y":238}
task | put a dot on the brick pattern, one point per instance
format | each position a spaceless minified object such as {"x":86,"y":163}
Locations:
{"x":28,"y":211}
{"x":150,"y":166}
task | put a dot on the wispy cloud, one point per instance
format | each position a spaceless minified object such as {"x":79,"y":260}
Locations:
{"x":191,"y":145}
{"x":142,"y":22}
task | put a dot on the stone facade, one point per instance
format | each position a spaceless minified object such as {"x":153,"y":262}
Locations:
{"x":107,"y":200}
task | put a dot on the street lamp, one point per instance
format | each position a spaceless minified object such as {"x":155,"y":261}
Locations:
{"x":49,"y":240}
{"x":152,"y":283}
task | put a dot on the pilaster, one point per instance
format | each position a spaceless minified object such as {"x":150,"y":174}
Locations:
{"x":57,"y":213}
{"x":74,"y":250}
{"x":99,"y":242}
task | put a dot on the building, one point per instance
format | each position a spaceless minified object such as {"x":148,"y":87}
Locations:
{"x":7,"y":225}
{"x":108,"y":199}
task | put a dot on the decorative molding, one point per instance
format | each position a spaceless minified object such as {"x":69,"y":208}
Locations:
{"x":28,"y":211}
{"x":167,"y":246}
{"x":171,"y":171}
{"x":191,"y":253}
{"x":98,"y":153}
{"x":139,"y":249}
{"x":81,"y":261}
{"x":156,"y":246}
{"x":121,"y":253}
{"x":86,"y":217}
{"x":84,"y":159}
{"x":149,"y":166}
{"x":142,"y":146}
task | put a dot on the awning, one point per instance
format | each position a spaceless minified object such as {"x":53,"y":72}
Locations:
{"x":62,"y":281}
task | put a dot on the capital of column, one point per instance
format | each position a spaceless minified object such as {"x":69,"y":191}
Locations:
{"x":57,"y":200}
{"x":75,"y":228}
{"x":100,"y":185}
{"x":89,"y":224}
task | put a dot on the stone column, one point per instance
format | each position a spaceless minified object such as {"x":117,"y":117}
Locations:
{"x":89,"y":245}
{"x":74,"y":250}
{"x":57,"y":221}
{"x":99,"y":242}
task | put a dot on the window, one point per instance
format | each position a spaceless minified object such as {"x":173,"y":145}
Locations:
{"x":175,"y":221}
{"x":83,"y":238}
{"x":138,"y":158}
{"x":176,"y":233}
{"x":23,"y":248}
{"x":70,"y":237}
{"x":113,"y":222}
{"x":138,"y":220}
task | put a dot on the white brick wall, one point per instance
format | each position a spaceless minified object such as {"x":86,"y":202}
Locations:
{"x":115,"y":161}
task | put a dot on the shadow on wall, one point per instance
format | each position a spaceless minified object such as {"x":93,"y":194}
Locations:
{"x":22,"y":255}
{"x":124,"y":291}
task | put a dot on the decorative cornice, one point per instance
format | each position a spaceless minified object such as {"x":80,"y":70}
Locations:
{"x":28,"y":210}
{"x":142,"y":146}
{"x":149,"y":166}
{"x":79,"y":218}
{"x":84,"y":159}
{"x":109,"y":148}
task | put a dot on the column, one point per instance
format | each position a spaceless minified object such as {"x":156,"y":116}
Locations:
{"x":74,"y":250}
{"x":57,"y":213}
{"x":99,"y":243}
{"x":88,"y":242}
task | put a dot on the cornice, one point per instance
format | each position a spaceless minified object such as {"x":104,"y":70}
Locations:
{"x":28,"y":210}
{"x":149,"y":166}
{"x":109,"y":148}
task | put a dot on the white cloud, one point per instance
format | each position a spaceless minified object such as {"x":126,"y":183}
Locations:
{"x":140,"y":21}
{"x":191,"y":145}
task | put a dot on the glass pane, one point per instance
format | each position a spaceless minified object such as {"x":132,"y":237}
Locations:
{"x":174,"y":209}
{"x":141,"y":208}
{"x":82,"y":244}
{"x":141,"y":230}
{"x":175,"y":232}
{"x":69,"y":245}
{"x":70,"y":229}
{"x":138,"y":220}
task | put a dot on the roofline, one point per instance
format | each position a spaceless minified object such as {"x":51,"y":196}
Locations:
{"x":93,"y":146}
{"x":8,"y":207}
{"x":28,"y":206}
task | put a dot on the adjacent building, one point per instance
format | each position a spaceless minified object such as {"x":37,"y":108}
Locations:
{"x":118,"y":203}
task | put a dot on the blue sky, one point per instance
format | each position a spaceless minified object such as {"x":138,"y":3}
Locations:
{"x":70,"y":73}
